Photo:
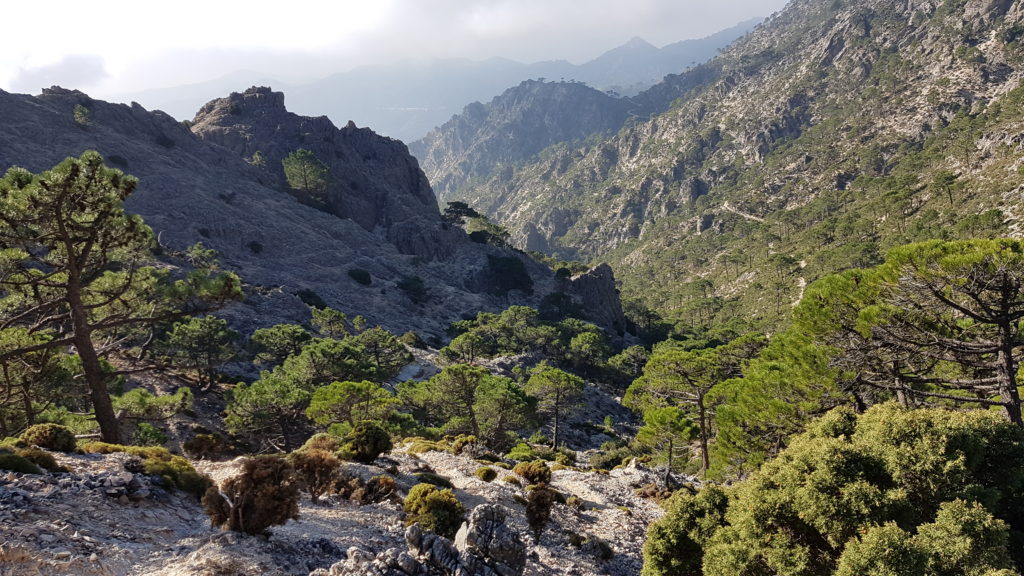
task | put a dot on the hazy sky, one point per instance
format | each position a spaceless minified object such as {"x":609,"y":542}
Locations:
{"x":109,"y":47}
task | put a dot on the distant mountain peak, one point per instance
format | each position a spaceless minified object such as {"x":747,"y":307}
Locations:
{"x":637,"y":42}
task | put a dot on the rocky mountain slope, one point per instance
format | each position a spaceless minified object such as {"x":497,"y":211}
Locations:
{"x":512,"y":129}
{"x":833,"y":131}
{"x":103,"y":516}
{"x":201,"y":185}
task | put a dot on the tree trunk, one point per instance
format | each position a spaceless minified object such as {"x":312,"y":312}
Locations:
{"x":668,"y":471}
{"x":706,"y":462}
{"x":554,"y":435}
{"x":1008,"y":376}
{"x":95,"y":379}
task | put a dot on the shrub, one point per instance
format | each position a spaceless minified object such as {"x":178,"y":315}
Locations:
{"x":366,"y":441}
{"x":322,"y":441}
{"x":486,"y":473}
{"x":316,"y":470}
{"x":264,"y":494}
{"x":434,"y":479}
{"x":599,"y":548}
{"x":951,"y":479}
{"x":655,"y":492}
{"x":610,"y":458}
{"x":81,"y":115}
{"x":575,"y":502}
{"x":175,"y":471}
{"x":512,"y":480}
{"x":178,"y":473}
{"x":311,"y":298}
{"x":521,"y":452}
{"x":535,"y":472}
{"x":538,"y":509}
{"x":203,"y":446}
{"x":18,"y":464}
{"x":361,"y":276}
{"x":40,"y":458}
{"x":377,"y":489}
{"x":50,"y":436}
{"x":565,"y":457}
{"x":675,"y":544}
{"x":438,"y":511}
{"x":148,"y":435}
{"x":421,"y":446}
{"x":413,"y":340}
{"x":462,"y":442}
{"x":414,"y":288}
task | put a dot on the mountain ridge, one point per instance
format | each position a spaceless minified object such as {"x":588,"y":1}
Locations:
{"x":406,"y":99}
{"x":202,"y":186}
{"x":813,"y":144}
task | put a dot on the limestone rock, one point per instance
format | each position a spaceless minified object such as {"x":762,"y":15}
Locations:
{"x":484,"y":546}
{"x":487,"y":536}
{"x":198,"y":183}
{"x":596,"y":290}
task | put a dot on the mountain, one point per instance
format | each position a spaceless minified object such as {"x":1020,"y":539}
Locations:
{"x":201,"y":184}
{"x":511,"y":129}
{"x":406,"y":99}
{"x":832,"y":132}
{"x":636,"y":65}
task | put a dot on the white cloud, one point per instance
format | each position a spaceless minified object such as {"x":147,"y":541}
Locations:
{"x":148,"y":44}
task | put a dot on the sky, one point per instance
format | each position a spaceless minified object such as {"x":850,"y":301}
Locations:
{"x":110,"y":47}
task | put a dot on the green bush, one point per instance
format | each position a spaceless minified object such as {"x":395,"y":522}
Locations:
{"x":461,"y":442}
{"x":316,"y":470}
{"x":434,"y":479}
{"x":535,"y":472}
{"x":365,"y":443}
{"x":176,"y":471}
{"x":850,"y":487}
{"x":204,"y":446}
{"x":414,"y":288}
{"x":322,"y":441}
{"x":50,"y":436}
{"x":264,"y":494}
{"x":413,"y":340}
{"x":675,"y":544}
{"x":539,"y":502}
{"x":436,"y":510}
{"x":40,"y":458}
{"x":486,"y":473}
{"x":148,"y":435}
{"x":565,"y":457}
{"x":420,"y":446}
{"x":18,"y":464}
{"x":521,"y":452}
{"x":361,"y":276}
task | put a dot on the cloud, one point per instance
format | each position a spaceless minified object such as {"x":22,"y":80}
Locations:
{"x":73,"y":71}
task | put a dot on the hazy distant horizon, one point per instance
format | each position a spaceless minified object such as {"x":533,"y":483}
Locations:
{"x":119,"y":48}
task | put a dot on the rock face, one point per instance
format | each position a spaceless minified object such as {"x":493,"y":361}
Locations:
{"x":595,"y":290}
{"x":823,"y":137}
{"x":197,"y":186}
{"x":512,"y":128}
{"x":484,"y":546}
{"x":371,"y":180}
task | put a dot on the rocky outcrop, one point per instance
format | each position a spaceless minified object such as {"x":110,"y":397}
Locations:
{"x":596,"y":291}
{"x":372,"y":180}
{"x":484,"y":546}
{"x":511,"y":129}
{"x":201,"y":185}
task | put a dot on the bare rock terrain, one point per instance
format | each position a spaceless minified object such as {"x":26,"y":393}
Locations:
{"x":101,"y":519}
